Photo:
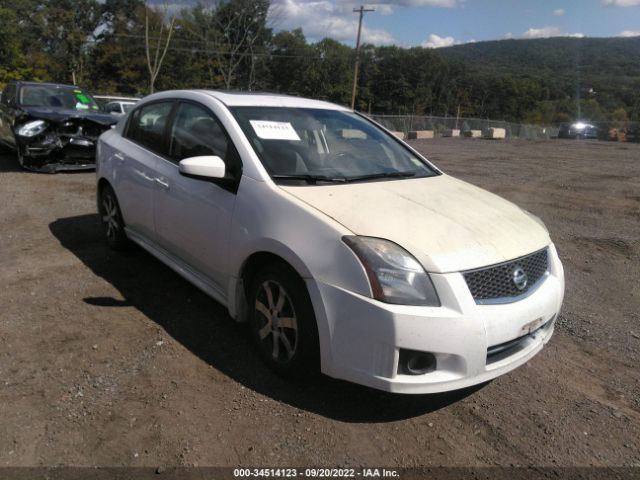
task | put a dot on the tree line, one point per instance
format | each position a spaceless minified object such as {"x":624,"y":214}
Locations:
{"x":128,"y":47}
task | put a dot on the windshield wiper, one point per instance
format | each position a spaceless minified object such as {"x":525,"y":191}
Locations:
{"x":310,"y":178}
{"x":373,"y":176}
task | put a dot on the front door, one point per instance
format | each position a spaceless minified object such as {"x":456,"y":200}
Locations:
{"x":193,"y":216}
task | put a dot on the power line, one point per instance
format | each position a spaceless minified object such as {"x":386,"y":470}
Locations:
{"x":237,"y":54}
{"x":265,"y":52}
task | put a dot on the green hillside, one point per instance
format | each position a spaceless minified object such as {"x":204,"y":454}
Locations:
{"x":598,"y":57}
{"x":604,"y":72}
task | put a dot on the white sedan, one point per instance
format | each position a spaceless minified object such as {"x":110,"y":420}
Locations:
{"x":346,"y":250}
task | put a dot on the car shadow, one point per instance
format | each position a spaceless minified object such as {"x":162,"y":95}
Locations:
{"x":204,"y":327}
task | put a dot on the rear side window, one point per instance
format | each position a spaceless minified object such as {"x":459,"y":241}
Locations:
{"x":148,"y":126}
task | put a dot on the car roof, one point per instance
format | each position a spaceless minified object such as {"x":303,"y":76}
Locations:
{"x":259,"y":99}
{"x":50,"y":84}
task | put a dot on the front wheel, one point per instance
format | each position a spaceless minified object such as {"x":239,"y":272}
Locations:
{"x":20,"y":154}
{"x":20,"y":157}
{"x":111,"y":218}
{"x":282,"y":322}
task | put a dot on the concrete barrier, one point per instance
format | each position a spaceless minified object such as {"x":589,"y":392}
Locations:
{"x":452,"y":132}
{"x":495,"y":133}
{"x":418,"y":134}
{"x":400,"y":135}
{"x":473,"y":133}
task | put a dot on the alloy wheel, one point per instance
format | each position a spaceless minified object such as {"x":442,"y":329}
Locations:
{"x":110,"y":215}
{"x":277,"y":324}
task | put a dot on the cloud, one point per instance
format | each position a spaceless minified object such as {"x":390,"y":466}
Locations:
{"x":620,"y":3}
{"x":559,"y":12}
{"x":325,"y":18}
{"x":408,"y":3}
{"x":435,"y":41}
{"x":629,"y":33}
{"x":546,"y":32}
{"x":336,"y":19}
{"x":376,"y":36}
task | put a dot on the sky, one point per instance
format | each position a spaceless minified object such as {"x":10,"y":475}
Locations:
{"x":441,"y":23}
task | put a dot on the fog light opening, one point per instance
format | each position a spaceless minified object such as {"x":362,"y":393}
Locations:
{"x":416,"y":363}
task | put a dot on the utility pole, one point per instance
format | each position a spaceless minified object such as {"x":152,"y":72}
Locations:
{"x":361,"y":11}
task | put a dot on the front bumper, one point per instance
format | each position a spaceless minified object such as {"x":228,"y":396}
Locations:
{"x":57,"y":153}
{"x":472,"y":343}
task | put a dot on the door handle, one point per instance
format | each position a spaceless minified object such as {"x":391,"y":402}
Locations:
{"x":162,"y":183}
{"x":119,"y":156}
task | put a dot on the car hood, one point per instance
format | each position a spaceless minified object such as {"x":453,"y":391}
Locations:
{"x":447,"y":224}
{"x":60,"y":114}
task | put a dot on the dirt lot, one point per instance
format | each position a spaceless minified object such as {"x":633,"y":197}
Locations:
{"x":112,"y":359}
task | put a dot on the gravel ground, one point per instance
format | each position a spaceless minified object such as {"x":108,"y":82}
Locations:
{"x":113,"y":360}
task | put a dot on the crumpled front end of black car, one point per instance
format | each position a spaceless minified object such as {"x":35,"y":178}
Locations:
{"x":48,"y":145}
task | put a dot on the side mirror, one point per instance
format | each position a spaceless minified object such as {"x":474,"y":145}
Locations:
{"x":209,"y":166}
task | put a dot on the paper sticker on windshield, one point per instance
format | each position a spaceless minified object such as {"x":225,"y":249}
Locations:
{"x":268,"y":130}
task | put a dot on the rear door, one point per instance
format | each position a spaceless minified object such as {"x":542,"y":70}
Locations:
{"x":145,"y":143}
{"x":193,"y":216}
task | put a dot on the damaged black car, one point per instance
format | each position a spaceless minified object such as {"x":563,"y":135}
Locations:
{"x":51,"y":127}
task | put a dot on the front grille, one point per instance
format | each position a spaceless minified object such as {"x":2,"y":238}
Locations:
{"x":496,"y":284}
{"x":81,"y":128}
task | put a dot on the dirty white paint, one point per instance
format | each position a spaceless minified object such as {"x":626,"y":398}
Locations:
{"x":447,"y":224}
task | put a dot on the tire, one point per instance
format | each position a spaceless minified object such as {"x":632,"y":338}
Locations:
{"x":111,"y":219}
{"x":19,"y":154}
{"x":20,"y":157}
{"x":290,"y":347}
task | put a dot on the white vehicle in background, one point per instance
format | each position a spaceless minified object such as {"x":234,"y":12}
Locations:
{"x":347,"y":254}
{"x":117,"y":106}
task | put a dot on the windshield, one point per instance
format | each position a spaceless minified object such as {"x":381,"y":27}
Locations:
{"x":56,"y":96}
{"x":325,"y":145}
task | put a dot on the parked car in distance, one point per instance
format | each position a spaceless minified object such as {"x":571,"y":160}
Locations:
{"x":578,"y":130}
{"x":51,"y":126}
{"x":347,"y":254}
{"x":119,"y":107}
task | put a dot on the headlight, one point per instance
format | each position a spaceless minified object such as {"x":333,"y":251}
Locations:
{"x":32,"y":129}
{"x":394,"y":275}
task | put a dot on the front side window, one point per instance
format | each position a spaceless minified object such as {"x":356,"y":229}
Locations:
{"x":325,"y":145}
{"x":148,"y":125}
{"x":196,"y":133}
{"x":56,"y":96}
